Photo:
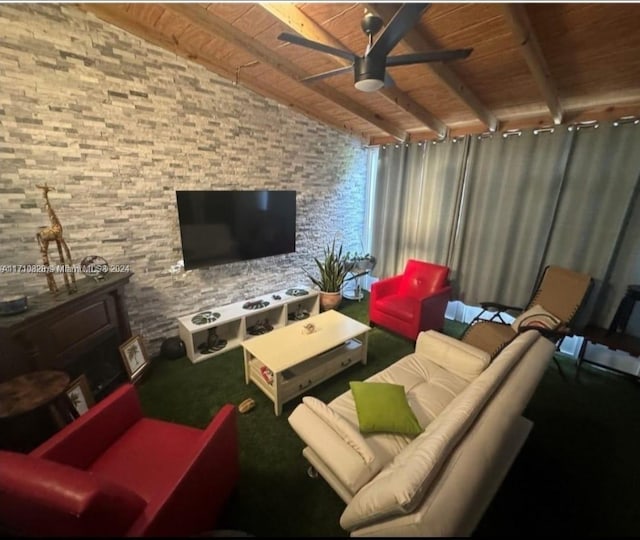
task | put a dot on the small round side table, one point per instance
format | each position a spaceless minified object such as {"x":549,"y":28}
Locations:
{"x":27,"y":393}
{"x":623,"y":313}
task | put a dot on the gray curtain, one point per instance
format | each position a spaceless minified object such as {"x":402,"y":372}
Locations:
{"x":498,"y":209}
{"x":431,"y":199}
{"x":418,"y":216}
{"x":625,"y":271}
{"x":591,"y":218}
{"x":386,"y":220}
{"x":509,"y":201}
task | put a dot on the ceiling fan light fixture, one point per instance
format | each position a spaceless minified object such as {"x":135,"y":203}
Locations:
{"x":369,"y":85}
{"x":369,"y":73}
{"x":369,"y":70}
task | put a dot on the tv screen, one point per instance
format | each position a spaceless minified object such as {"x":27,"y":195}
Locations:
{"x":219,"y":227}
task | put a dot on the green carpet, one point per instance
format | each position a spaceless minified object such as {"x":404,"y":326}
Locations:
{"x":575,"y":474}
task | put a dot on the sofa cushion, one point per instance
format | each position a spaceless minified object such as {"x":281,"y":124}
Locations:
{"x":536,"y":316}
{"x":383,"y":407}
{"x":52,"y":499}
{"x":337,"y":442}
{"x":149,"y":446}
{"x":400,"y":307}
{"x":429,"y":389}
{"x":459,"y":358}
{"x":400,"y":487}
{"x":342,"y":427}
{"x":422,"y":279}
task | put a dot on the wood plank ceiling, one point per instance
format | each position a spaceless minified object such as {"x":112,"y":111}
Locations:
{"x":531,"y":65}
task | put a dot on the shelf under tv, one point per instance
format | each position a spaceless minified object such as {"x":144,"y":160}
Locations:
{"x":232,"y":322}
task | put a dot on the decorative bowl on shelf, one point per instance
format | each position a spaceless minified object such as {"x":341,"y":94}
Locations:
{"x":95,"y":267}
{"x":298,"y":315}
{"x":296,"y":292}
{"x":259,"y":328}
{"x":13,"y":305}
{"x":256,"y":304}
{"x":205,"y":317}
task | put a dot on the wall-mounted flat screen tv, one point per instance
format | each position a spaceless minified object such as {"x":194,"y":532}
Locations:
{"x":220,"y":227}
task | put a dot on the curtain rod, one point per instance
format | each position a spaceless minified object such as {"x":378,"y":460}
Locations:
{"x":626,"y":120}
{"x":544,"y":129}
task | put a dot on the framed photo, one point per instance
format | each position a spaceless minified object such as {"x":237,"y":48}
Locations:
{"x":80,"y":395}
{"x":134,"y":357}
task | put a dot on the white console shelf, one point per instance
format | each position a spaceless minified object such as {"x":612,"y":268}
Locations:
{"x":234,"y":322}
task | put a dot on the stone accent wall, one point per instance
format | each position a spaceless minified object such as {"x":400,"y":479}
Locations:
{"x":116,"y":125}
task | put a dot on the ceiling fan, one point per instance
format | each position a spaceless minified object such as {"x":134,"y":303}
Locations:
{"x":369,"y":70}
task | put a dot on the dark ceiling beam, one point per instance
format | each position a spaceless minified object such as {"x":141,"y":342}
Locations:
{"x":290,"y":15}
{"x":216,"y":27}
{"x":520,"y":25}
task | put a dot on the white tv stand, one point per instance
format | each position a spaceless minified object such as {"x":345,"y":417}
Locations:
{"x":234,"y":323}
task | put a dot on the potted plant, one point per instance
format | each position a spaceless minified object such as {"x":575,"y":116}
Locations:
{"x":361,"y":263}
{"x":334,"y":268}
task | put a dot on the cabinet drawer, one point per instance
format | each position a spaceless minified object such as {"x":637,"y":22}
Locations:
{"x":300,"y":378}
{"x":294,"y":386}
{"x":349,"y":354}
{"x":87,"y":322}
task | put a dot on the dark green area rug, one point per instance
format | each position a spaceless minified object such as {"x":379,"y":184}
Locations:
{"x":577,"y":473}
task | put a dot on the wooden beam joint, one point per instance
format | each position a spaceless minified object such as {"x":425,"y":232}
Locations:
{"x":522,"y":30}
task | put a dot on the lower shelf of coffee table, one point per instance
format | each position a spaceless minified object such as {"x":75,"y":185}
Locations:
{"x":296,"y":380}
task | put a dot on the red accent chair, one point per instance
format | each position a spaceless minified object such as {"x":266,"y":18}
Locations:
{"x":413,"y":301}
{"x":113,"y":472}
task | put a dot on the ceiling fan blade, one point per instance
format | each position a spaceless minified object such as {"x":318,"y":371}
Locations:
{"x":403,"y":20}
{"x":297,"y":40}
{"x":388,"y":81}
{"x":319,"y":76}
{"x":431,"y":56}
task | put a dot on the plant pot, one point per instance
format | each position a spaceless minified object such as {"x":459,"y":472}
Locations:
{"x":330,"y":300}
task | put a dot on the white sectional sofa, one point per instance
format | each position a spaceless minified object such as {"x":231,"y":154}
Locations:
{"x":440,"y":482}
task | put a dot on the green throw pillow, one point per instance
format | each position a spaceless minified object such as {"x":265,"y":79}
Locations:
{"x":383,"y":408}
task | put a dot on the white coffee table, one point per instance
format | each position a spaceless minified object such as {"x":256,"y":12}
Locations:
{"x":288,"y":361}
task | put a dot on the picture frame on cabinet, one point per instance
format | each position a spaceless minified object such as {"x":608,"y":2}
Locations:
{"x":134,"y":357}
{"x":80,"y":395}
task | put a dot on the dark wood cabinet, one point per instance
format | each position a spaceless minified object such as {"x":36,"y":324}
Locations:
{"x":57,"y":330}
{"x":78,"y":333}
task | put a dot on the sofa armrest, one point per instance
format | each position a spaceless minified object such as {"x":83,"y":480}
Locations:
{"x":195,"y":500}
{"x":336,"y":442}
{"x":437,"y":297}
{"x":431,"y":308}
{"x":385,"y":287}
{"x":39,"y":497}
{"x":82,"y":441}
{"x":552,"y":334}
{"x":461,"y":359}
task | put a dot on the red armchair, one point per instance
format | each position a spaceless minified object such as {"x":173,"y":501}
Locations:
{"x":413,"y":301}
{"x":113,"y":472}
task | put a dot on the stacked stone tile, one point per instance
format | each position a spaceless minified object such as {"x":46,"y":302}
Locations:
{"x":116,"y":125}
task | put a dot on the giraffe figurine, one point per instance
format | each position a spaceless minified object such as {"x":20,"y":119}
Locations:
{"x":54,"y":233}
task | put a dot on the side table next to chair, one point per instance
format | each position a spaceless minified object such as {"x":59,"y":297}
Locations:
{"x":615,"y":337}
{"x":27,"y":393}
{"x":623,"y":313}
{"x":355,"y":293}
{"x":360,"y":266}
